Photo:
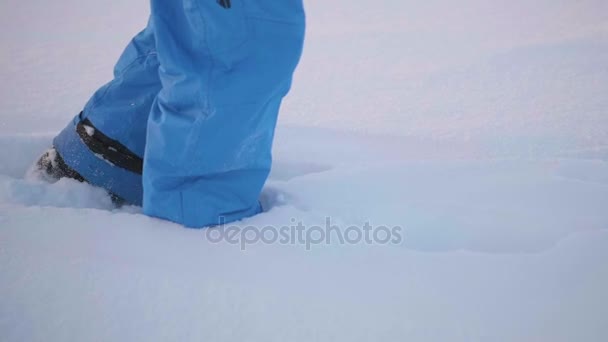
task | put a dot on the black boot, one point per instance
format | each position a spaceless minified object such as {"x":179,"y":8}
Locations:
{"x":51,"y":167}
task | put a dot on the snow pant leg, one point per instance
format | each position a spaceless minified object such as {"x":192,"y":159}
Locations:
{"x":116,"y":118}
{"x":120,"y":109}
{"x":225,"y":67}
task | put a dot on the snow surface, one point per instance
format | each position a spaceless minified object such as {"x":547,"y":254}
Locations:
{"x":479,"y":127}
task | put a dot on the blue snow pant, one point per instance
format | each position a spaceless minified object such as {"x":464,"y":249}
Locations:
{"x":185,"y":128}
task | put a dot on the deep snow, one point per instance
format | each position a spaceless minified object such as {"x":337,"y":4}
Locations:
{"x":480,"y":128}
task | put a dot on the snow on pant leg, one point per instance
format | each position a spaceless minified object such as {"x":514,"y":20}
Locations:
{"x":225,"y":67}
{"x":116,"y":119}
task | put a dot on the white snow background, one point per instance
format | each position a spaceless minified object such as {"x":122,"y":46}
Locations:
{"x":478,"y":126}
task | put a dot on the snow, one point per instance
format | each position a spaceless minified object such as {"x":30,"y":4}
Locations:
{"x":479,"y":128}
{"x":90,"y":130}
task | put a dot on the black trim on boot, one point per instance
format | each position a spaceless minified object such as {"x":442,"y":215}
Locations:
{"x":107,"y":148}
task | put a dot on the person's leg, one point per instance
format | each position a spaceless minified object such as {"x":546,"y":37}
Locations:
{"x":225,"y":67}
{"x":105,"y":143}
